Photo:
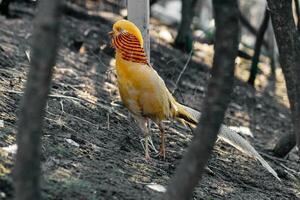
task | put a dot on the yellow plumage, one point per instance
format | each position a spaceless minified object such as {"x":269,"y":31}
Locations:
{"x":142,"y":90}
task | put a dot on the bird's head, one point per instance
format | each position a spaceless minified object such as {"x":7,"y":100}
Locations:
{"x":129,"y":27}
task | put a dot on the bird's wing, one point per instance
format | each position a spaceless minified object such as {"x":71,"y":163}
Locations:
{"x":142,"y":90}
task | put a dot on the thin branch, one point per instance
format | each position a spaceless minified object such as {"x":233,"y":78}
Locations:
{"x":250,"y":28}
{"x":182,"y":71}
{"x":257,"y":49}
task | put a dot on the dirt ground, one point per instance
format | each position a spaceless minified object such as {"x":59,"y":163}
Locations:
{"x":90,"y":146}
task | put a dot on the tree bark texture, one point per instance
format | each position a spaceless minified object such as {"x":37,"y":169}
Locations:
{"x":288,"y":42}
{"x":44,"y":47}
{"x":215,"y":104}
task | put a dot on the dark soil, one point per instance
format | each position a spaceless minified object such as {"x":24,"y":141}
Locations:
{"x":106,"y":162}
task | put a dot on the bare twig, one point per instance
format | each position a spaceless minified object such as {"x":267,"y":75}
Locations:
{"x":276,"y":159}
{"x":73,"y":116}
{"x":60,"y":123}
{"x":28,"y":55}
{"x":292,"y":171}
{"x":84,"y":120}
{"x":107,"y":108}
{"x":182,"y":71}
{"x":108,"y":121}
{"x":62,"y":107}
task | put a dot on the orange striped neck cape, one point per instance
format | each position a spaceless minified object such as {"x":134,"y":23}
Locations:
{"x":129,"y":47}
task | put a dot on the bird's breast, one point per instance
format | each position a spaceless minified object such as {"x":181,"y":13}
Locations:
{"x":142,"y":91}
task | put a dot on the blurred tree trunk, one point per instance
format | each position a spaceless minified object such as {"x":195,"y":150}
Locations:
{"x":288,"y":42}
{"x":4,"y":7}
{"x":215,"y":104}
{"x":184,"y":38}
{"x":44,"y":48}
{"x":258,"y":44}
{"x":153,"y":2}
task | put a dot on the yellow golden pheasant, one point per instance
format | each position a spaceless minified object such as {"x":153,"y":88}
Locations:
{"x":142,"y":90}
{"x":146,"y":96}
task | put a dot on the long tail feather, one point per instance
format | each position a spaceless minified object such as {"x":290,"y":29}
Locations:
{"x":234,"y":139}
{"x":231,"y":137}
{"x":184,"y":115}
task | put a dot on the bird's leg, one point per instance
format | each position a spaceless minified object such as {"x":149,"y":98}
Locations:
{"x":150,"y":138}
{"x":143,"y":125}
{"x":162,"y":149}
{"x":146,"y":138}
{"x":147,"y":155}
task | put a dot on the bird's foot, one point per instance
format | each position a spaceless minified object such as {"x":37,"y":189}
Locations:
{"x":147,"y":157}
{"x":151,"y":145}
{"x":162,"y":153}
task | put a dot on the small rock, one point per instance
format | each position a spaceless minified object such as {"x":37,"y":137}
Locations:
{"x":165,"y":35}
{"x":282,"y":116}
{"x":11,"y":149}
{"x":157,"y":187}
{"x":72,"y":142}
{"x":259,"y":106}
